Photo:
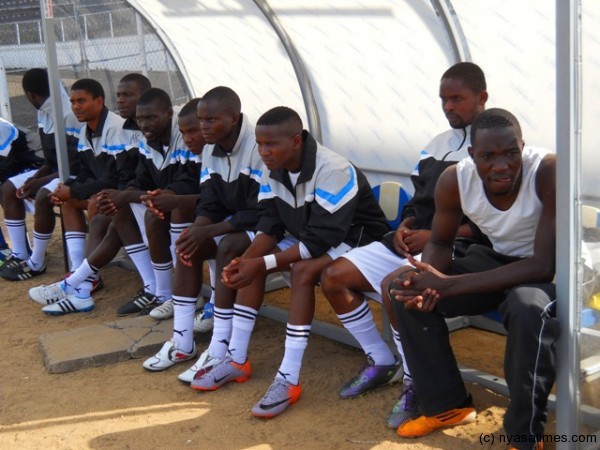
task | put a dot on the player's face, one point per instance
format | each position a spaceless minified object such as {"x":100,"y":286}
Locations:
{"x":460,"y":104}
{"x":278,"y":148}
{"x":128,"y":94}
{"x":85,"y":107}
{"x":497,"y":153}
{"x":189,"y":125}
{"x":153,"y":121}
{"x":216,"y":123}
{"x":34,"y":99}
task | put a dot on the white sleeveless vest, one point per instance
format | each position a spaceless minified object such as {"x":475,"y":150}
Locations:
{"x":512,"y":232}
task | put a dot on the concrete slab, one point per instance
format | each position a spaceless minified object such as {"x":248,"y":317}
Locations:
{"x":99,"y":345}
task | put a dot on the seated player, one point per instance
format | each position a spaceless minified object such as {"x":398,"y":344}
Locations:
{"x":344,"y":282}
{"x":29,"y":191}
{"x":100,"y":142}
{"x":509,"y":191}
{"x":229,"y":187}
{"x":327,"y":207}
{"x":15,"y":158}
{"x":169,"y":167}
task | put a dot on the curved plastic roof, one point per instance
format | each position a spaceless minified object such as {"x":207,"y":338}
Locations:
{"x":374,"y":66}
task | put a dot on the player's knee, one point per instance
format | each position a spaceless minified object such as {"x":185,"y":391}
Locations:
{"x":232,"y":246}
{"x":305,"y":272}
{"x":42,"y":200}
{"x":332,"y":277}
{"x":9,"y":191}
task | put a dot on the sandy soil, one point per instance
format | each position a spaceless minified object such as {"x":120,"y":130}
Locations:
{"x":123,"y":407}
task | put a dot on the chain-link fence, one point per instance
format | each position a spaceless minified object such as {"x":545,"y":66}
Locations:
{"x":96,"y":39}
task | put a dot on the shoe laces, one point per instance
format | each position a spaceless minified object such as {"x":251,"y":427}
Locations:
{"x":277,"y":390}
{"x":408,"y":399}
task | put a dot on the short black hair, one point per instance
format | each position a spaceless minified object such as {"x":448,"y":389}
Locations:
{"x":36,"y":81}
{"x":91,"y":86}
{"x":189,"y":108}
{"x":143,"y":82}
{"x":156,"y":95}
{"x":282,"y":115}
{"x":495,"y":118}
{"x":469,"y":73}
{"x":226,"y":97}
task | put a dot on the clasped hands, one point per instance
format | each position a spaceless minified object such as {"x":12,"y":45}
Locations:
{"x":419,"y":287}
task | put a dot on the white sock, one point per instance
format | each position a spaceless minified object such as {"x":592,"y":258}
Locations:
{"x":219,"y":343}
{"x":80,"y":281}
{"x":75,"y":247}
{"x":400,"y":351}
{"x":38,"y":253}
{"x":361,"y":325}
{"x":175,"y":230}
{"x":244,"y":319}
{"x":163,"y":274}
{"x":183,"y":322}
{"x":140,"y":255}
{"x":17,"y":234}
{"x":296,"y":340}
{"x":212,"y":270}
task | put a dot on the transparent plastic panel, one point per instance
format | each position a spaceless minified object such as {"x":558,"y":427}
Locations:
{"x":589,"y":293}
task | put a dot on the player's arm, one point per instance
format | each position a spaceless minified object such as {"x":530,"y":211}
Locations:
{"x":538,"y":268}
{"x":446,"y":221}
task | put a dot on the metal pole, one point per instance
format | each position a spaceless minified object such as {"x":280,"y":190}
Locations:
{"x":4,"y":95}
{"x":314,"y":120}
{"x":140,"y":33}
{"x":567,"y":226}
{"x":55,"y":86}
{"x":454,"y":31}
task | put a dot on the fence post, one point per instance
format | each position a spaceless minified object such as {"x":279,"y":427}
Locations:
{"x":140,"y":33}
{"x":4,"y":95}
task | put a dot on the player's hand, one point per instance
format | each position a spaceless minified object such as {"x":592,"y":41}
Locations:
{"x":30,"y":186}
{"x":189,"y":242}
{"x":159,"y":202}
{"x":240,"y":272}
{"x":92,"y":206}
{"x":109,"y":201}
{"x":421,"y":288}
{"x":399,"y":245}
{"x":416,"y":240}
{"x":61,"y":195}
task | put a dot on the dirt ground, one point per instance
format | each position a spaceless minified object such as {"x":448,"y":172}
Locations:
{"x":121,"y":406}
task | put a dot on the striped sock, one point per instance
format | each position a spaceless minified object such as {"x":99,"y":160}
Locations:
{"x":163,"y":274}
{"x":221,"y":336}
{"x":361,"y":325}
{"x":140,"y":256}
{"x":75,"y":247}
{"x":296,"y":341}
{"x":244,"y":319}
{"x":400,"y":351}
{"x":183,"y":322}
{"x":17,"y":233}
{"x":175,"y":230}
{"x":40,"y":245}
{"x":80,"y":282}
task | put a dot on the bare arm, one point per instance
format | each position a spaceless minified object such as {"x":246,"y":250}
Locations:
{"x":538,"y":268}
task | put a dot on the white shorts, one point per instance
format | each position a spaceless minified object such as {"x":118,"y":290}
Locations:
{"x":139,"y":211}
{"x":19,"y":180}
{"x":288,"y":241}
{"x":251,"y":235}
{"x":375,"y":261}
